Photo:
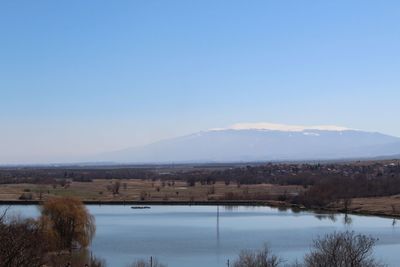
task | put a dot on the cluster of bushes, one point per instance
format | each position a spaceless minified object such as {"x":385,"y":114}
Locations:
{"x":345,"y":249}
{"x":64,"y":224}
{"x":22,"y":242}
{"x":332,"y":189}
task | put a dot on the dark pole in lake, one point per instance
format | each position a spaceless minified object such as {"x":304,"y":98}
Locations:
{"x":227,"y":263}
{"x":218,"y":224}
{"x":151,"y":261}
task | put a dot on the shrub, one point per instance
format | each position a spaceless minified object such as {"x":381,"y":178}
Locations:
{"x":342,"y":250}
{"x":259,"y":258}
{"x":22,"y":243}
{"x":143,"y":263}
{"x":26,"y":196}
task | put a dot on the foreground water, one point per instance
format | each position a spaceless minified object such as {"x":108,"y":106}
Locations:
{"x":198,"y":236}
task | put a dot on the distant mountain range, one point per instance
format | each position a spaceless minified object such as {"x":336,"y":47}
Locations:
{"x":262,"y":142}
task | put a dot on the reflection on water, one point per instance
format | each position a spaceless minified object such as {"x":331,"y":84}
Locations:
{"x":283,"y":209}
{"x":231,"y":208}
{"x":347,"y":219}
{"x":218,"y":225}
{"x":328,"y":216}
{"x":199,"y":236}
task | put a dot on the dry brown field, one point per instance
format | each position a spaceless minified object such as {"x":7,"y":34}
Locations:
{"x":377,"y":205}
{"x":136,"y":190}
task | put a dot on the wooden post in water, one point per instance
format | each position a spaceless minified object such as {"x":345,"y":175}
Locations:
{"x":151,"y":261}
{"x":218,"y":224}
{"x":227,"y":263}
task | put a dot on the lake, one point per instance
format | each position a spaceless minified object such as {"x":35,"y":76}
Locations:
{"x":183,"y":236}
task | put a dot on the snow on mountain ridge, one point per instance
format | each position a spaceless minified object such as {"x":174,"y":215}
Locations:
{"x":281,"y":127}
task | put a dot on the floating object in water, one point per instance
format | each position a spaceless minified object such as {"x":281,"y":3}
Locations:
{"x":140,"y":207}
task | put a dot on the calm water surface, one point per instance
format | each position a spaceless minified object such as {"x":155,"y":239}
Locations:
{"x":184,"y":236}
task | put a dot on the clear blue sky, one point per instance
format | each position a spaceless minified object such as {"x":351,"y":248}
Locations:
{"x":81,"y":77}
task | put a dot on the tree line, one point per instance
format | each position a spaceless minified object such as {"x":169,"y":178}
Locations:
{"x":324,"y":183}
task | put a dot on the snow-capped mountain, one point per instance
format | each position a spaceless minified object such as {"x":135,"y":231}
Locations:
{"x":263,"y":142}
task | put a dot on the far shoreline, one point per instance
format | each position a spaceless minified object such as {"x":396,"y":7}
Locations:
{"x":248,"y":203}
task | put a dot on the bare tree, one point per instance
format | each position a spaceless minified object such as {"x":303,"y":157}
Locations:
{"x":116,"y":187}
{"x":346,"y":204}
{"x":259,"y":258}
{"x":21,"y":243}
{"x":345,"y":249}
{"x":152,"y":262}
